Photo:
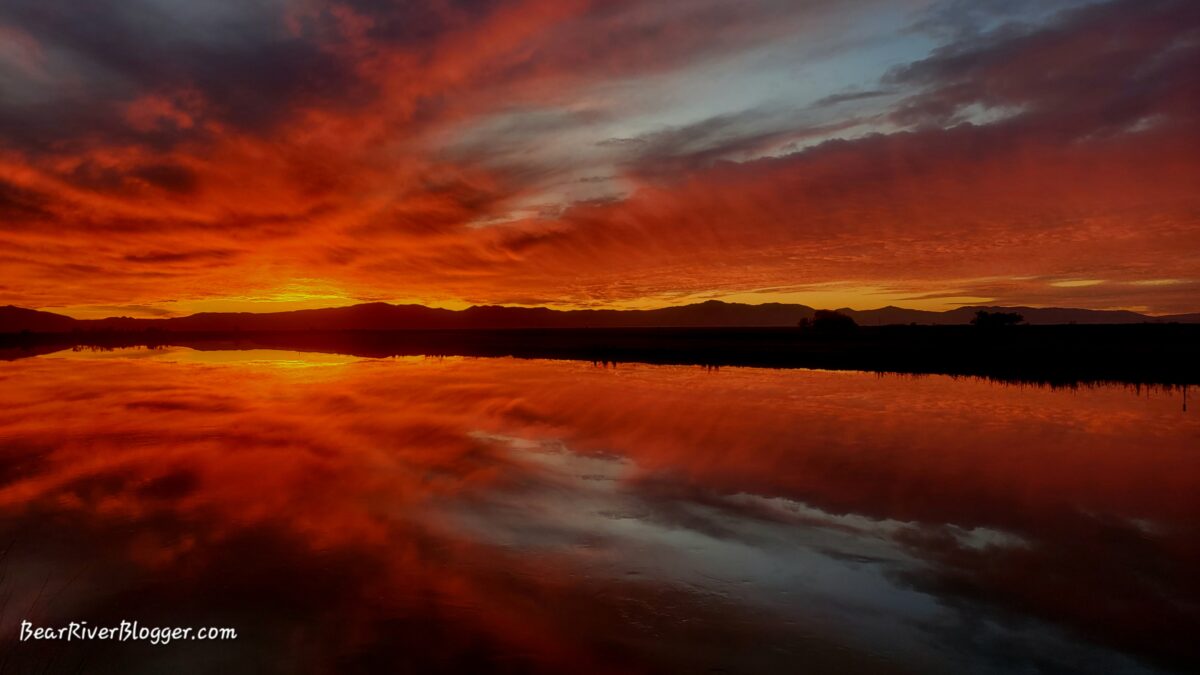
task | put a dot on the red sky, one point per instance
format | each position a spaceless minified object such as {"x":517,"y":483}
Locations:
{"x":162,"y":157}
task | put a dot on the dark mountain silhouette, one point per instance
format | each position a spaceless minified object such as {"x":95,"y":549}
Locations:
{"x":1180,"y":318}
{"x":1044,"y":316}
{"x":711,"y":314}
{"x":17,"y":319}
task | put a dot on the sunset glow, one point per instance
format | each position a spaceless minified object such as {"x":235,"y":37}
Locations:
{"x":600,"y":336}
{"x":162,"y":157}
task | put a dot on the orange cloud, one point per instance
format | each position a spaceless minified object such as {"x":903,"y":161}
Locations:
{"x":503,"y":155}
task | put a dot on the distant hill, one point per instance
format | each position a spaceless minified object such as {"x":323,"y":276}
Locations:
{"x":17,"y":319}
{"x":1180,"y":318}
{"x":1033,"y":315}
{"x":382,"y":316}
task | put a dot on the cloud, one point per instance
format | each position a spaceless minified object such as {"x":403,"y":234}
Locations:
{"x":501,"y":151}
{"x":1098,"y":69}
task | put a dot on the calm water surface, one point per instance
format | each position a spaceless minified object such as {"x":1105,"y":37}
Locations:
{"x":476,"y":515}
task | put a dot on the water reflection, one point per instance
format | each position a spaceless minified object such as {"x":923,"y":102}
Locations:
{"x":467,"y":515}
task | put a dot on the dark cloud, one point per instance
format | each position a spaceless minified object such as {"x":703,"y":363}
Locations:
{"x":169,"y":177}
{"x":241,"y":62}
{"x":175,"y":179}
{"x":962,"y":20}
{"x":20,"y":204}
{"x":198,"y":255}
{"x":409,"y":24}
{"x":1097,"y":69}
{"x":849,"y":96}
{"x":676,"y":152}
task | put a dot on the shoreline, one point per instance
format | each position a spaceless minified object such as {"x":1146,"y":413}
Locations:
{"x":1061,"y":355}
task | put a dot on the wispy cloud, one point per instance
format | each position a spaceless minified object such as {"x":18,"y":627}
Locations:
{"x":595,"y":153}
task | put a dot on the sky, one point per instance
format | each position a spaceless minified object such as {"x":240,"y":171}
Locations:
{"x":163,"y":157}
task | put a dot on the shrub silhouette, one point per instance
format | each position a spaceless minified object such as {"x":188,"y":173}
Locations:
{"x":828,"y":323}
{"x":984,"y":319}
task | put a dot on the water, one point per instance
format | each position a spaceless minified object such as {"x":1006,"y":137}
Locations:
{"x":495,"y":515}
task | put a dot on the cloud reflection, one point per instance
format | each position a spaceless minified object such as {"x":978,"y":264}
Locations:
{"x":463,"y":514}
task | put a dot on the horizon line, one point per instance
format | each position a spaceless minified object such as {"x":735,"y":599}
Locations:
{"x":50,"y":309}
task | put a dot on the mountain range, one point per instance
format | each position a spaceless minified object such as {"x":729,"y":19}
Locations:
{"x":383,"y":316}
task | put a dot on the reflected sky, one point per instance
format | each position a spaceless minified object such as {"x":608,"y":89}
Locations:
{"x":467,"y":515}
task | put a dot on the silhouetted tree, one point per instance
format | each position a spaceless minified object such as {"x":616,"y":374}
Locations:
{"x":984,"y":319}
{"x":828,"y":323}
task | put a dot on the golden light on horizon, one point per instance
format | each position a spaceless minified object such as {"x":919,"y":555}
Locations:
{"x":314,"y":294}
